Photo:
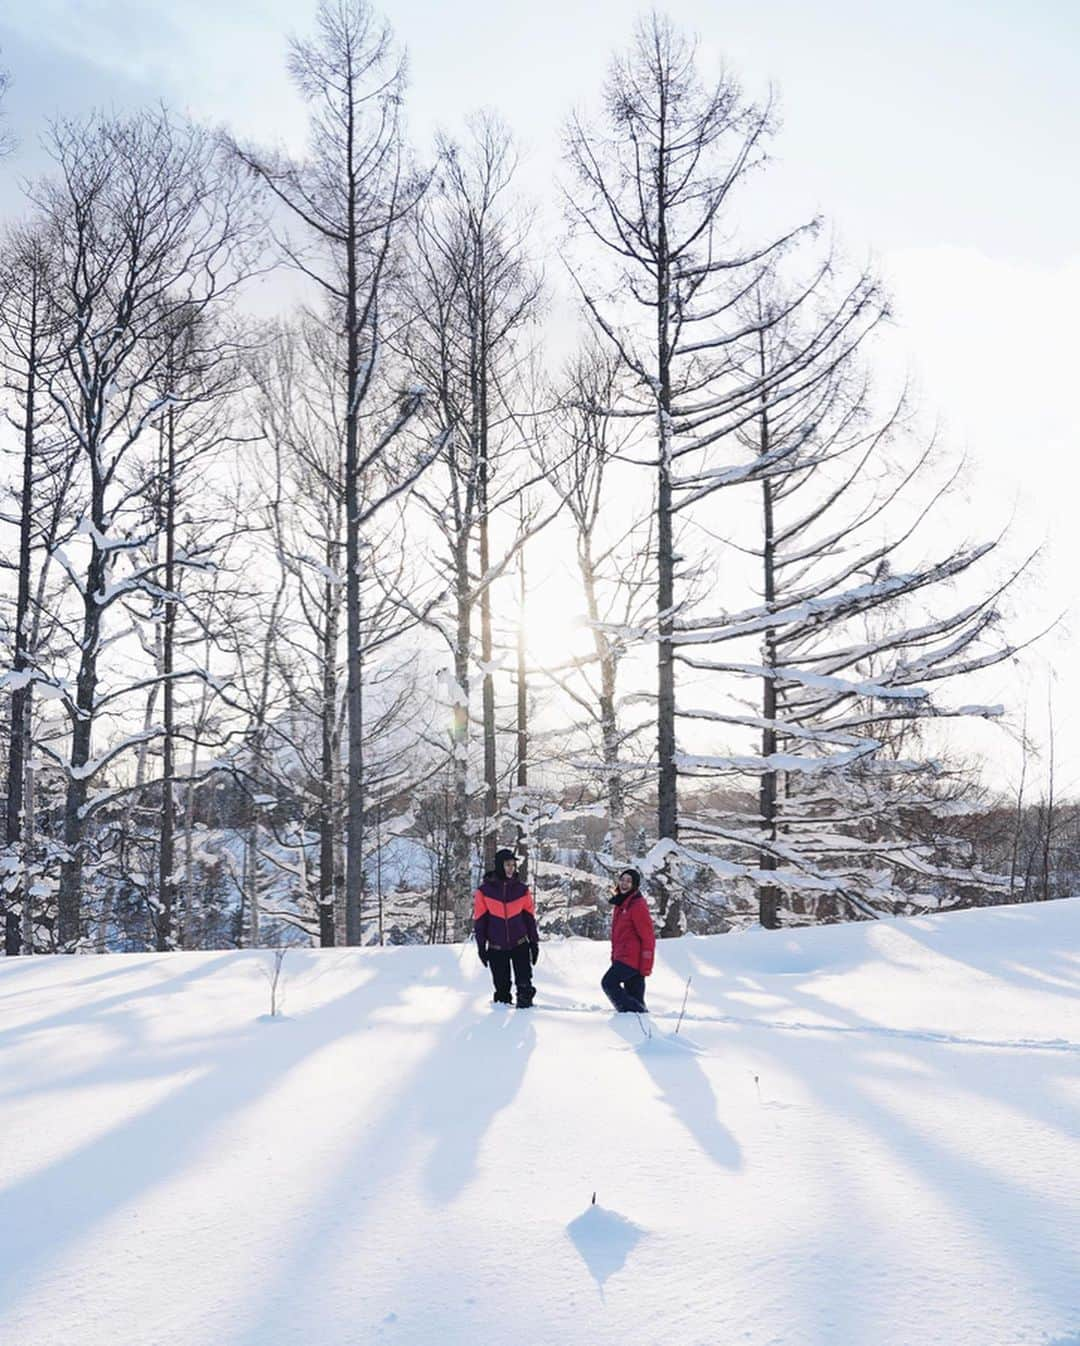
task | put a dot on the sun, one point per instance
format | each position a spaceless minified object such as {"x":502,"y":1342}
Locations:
{"x":557,"y":630}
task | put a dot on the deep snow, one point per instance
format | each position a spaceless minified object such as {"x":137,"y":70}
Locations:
{"x":863,"y":1135}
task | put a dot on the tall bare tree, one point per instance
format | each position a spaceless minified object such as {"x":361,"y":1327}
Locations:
{"x":146,"y":221}
{"x":856,"y":634}
{"x":471,"y":298}
{"x":349,"y":198}
{"x":655,"y":188}
{"x":190,"y":530}
{"x":658,"y":187}
{"x":300,"y":410}
{"x":27,"y":352}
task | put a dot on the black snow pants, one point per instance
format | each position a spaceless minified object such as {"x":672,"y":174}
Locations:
{"x":624,"y":986}
{"x":501,"y":961}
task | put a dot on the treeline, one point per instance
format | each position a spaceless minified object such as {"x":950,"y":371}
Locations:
{"x":271,"y":600}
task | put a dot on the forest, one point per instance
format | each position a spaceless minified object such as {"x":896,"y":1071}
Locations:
{"x":608,"y":540}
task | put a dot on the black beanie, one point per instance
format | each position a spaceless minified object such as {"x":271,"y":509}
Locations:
{"x":500,"y":856}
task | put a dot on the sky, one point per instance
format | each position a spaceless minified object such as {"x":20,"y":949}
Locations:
{"x":938,"y":139}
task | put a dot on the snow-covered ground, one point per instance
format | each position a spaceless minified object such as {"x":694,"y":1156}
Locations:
{"x":863,"y":1135}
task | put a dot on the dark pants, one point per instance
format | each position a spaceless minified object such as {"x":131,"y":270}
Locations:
{"x":624,"y":986}
{"x":501,"y":961}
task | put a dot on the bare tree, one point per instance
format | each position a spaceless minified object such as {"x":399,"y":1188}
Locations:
{"x":470,"y":299}
{"x":27,"y":351}
{"x":614,"y":568}
{"x":856,"y":633}
{"x":655,"y":188}
{"x":742,"y":356}
{"x":349,"y":197}
{"x":1018,"y":814}
{"x":300,"y":411}
{"x":146,"y":222}
{"x":191,"y":530}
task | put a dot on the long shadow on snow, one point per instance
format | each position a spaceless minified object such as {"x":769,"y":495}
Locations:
{"x":1002,"y":957}
{"x":997,"y":1207}
{"x":975,"y":1189}
{"x":970,"y":1186}
{"x":100,"y":1177}
{"x":471,"y":1072}
{"x":101,"y":1010}
{"x":851,"y":1026}
{"x":469,"y":1082}
{"x":993,"y":1080}
{"x":17,"y":970}
{"x":686,"y":1090}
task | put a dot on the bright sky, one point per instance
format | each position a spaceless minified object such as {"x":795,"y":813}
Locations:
{"x":939,"y":138}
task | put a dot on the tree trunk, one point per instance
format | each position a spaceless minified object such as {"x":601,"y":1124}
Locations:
{"x":1019,"y":816}
{"x":670,"y":907}
{"x":768,"y":894}
{"x":28,"y":851}
{"x":460,"y":885}
{"x":522,"y":704}
{"x":188,"y":907}
{"x":609,"y":731}
{"x":1048,"y":834}
{"x":251,"y":880}
{"x":328,"y":764}
{"x":69,"y":926}
{"x":21,"y":697}
{"x":166,"y":849}
{"x":491,"y":798}
{"x":354,"y":782}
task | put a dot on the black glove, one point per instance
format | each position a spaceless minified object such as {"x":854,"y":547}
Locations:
{"x":534,"y":953}
{"x":481,"y":951}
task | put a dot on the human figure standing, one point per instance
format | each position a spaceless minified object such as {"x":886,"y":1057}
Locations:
{"x":504,"y":922}
{"x":633,"y":945}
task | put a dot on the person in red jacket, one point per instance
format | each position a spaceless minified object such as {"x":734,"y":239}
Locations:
{"x":633,"y":945}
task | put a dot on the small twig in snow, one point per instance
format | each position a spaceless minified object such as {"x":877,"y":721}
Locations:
{"x":686,"y":992}
{"x":273,"y":976}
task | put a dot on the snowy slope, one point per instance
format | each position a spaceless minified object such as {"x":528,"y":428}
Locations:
{"x":863,"y":1135}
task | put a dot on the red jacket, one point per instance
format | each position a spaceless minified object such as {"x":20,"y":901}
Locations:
{"x":633,"y":940}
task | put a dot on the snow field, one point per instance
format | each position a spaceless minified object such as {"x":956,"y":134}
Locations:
{"x":862,"y":1135}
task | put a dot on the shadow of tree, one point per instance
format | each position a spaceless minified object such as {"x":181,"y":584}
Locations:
{"x":471,"y":1070}
{"x":126,"y":1026}
{"x":145,"y":1150}
{"x":1000,"y":1209}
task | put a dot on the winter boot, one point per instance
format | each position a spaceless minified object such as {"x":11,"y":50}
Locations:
{"x":525,"y":996}
{"x":501,"y":999}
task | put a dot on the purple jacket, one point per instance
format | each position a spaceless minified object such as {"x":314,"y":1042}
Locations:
{"x":504,"y":915}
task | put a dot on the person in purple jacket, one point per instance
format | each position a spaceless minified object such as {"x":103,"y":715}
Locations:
{"x":504,"y":923}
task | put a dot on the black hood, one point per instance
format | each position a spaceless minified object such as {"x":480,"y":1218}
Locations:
{"x":617,"y":898}
{"x":496,"y":874}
